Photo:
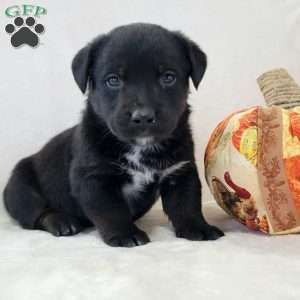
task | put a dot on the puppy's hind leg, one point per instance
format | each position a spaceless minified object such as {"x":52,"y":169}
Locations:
{"x":24,"y":202}
{"x":22,"y":198}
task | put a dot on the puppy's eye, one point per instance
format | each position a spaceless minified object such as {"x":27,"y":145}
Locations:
{"x":113,"y":81}
{"x":168,"y":78}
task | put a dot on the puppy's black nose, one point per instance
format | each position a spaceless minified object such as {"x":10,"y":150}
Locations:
{"x":143,"y":116}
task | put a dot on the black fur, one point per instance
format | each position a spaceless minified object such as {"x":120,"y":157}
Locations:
{"x":77,"y":180}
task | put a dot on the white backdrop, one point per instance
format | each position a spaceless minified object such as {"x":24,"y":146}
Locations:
{"x":39,"y":98}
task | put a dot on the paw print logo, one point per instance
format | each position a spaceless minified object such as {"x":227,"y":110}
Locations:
{"x":24,"y":33}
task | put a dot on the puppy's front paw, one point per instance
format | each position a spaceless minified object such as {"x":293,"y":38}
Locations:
{"x":125,"y":239}
{"x":199,"y":232}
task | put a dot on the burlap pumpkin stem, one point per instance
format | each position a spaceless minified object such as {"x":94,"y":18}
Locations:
{"x":279,"y":88}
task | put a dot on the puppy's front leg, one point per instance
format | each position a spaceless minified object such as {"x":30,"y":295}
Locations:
{"x":181,"y":199}
{"x":104,"y":205}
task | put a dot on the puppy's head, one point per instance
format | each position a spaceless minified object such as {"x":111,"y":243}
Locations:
{"x":138,"y":79}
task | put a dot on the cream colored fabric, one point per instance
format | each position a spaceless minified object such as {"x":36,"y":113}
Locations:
{"x":242,"y":265}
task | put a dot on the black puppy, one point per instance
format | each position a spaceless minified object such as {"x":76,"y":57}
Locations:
{"x":132,"y":145}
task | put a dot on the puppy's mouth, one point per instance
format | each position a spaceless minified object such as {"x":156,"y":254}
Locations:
{"x":144,"y":141}
{"x":145,"y":137}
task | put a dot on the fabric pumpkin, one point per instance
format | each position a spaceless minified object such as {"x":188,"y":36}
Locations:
{"x":252,"y":160}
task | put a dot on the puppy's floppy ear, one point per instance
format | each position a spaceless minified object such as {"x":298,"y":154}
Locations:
{"x":196,"y":57}
{"x":81,"y":66}
{"x":83,"y":62}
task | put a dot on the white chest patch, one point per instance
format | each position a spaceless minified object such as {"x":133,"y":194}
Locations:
{"x":142,"y":175}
